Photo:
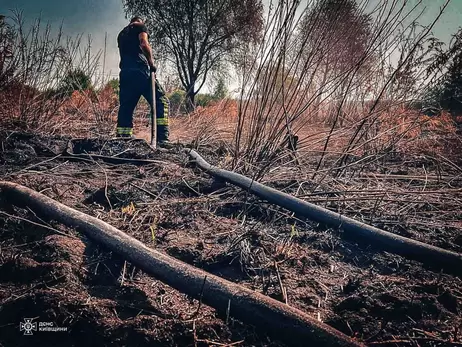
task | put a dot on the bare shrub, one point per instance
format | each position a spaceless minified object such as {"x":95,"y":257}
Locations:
{"x":207,"y":126}
{"x":349,"y":69}
{"x":34,"y":61}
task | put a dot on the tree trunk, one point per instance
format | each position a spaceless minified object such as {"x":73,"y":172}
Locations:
{"x":190,"y":100}
{"x":319,"y":98}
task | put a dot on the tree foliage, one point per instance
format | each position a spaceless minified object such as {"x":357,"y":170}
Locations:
{"x":446,"y":94}
{"x":75,"y":80}
{"x":220,"y":91}
{"x":337,"y":31}
{"x":7,"y":39}
{"x":204,"y":100}
{"x":335,"y":34}
{"x":197,"y":35}
{"x":451,"y":97}
{"x":177,"y":101}
{"x":114,"y":84}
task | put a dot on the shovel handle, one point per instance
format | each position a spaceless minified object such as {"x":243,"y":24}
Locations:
{"x":153,"y":111}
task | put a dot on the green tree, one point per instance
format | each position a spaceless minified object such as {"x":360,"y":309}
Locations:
{"x":447,"y":93}
{"x":177,"y":101}
{"x":430,"y":101}
{"x":335,"y":36}
{"x":196,"y":36}
{"x":221,"y":91}
{"x":114,"y":84}
{"x":75,"y":80}
{"x":336,"y":33}
{"x":204,"y":99}
{"x":7,"y":61}
{"x":451,"y":97}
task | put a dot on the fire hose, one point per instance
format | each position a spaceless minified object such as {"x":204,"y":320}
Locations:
{"x":353,"y":229}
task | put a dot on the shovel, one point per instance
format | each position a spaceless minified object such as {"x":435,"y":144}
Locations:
{"x":153,"y":111}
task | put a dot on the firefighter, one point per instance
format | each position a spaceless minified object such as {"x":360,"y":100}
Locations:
{"x":136,"y":64}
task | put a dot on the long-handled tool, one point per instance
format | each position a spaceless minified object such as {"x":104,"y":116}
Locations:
{"x":153,"y":111}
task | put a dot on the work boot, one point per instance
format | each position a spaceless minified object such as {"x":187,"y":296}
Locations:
{"x":125,"y":137}
{"x":165,"y":144}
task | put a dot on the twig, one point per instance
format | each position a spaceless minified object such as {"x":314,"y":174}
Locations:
{"x":406,"y":177}
{"x":454,"y":166}
{"x":221,"y":344}
{"x":105,"y":185}
{"x":228,"y":309}
{"x":39,"y":225}
{"x":426,"y":179}
{"x":410,"y":341}
{"x":194,"y":333}
{"x":40,"y":219}
{"x":124,"y":269}
{"x":124,"y":304}
{"x":195,"y":191}
{"x":200,"y":300}
{"x":112,"y":160}
{"x":34,"y":165}
{"x":281,"y":286}
{"x":144,"y":190}
{"x":323,"y":286}
{"x":124,"y":151}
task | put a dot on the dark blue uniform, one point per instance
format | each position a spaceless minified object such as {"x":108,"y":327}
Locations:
{"x":135,"y":82}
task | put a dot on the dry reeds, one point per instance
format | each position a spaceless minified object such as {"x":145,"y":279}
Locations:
{"x":350,"y":68}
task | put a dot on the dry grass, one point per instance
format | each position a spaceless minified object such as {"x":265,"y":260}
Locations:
{"x":385,"y":164}
{"x":177,"y":210}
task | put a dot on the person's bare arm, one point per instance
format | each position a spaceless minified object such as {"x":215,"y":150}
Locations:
{"x":146,"y":48}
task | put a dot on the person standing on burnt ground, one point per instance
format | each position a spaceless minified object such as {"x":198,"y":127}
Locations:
{"x":136,"y":64}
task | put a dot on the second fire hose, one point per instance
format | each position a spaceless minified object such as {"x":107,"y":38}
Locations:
{"x":412,"y":249}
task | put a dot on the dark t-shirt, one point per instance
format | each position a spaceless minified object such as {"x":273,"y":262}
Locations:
{"x":131,"y":55}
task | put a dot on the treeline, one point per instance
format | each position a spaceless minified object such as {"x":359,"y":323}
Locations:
{"x":446,"y":93}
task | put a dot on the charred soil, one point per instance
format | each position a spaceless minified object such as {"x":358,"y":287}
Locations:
{"x":53,"y":274}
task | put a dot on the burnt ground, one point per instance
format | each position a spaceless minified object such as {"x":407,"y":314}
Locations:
{"x":51,"y":273}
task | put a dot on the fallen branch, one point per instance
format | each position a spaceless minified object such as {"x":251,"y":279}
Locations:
{"x":144,"y":190}
{"x":280,"y":320}
{"x":109,"y":159}
{"x":412,"y":249}
{"x":38,"y":225}
{"x":412,"y":340}
{"x":407,"y":177}
{"x":32,"y":166}
{"x":281,"y":286}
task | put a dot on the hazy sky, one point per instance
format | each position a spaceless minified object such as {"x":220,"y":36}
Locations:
{"x":96,"y":17}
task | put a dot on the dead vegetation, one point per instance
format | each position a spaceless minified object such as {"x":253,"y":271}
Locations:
{"x":372,"y":157}
{"x":353,"y":288}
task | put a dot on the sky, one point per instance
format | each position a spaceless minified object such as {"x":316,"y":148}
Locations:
{"x":88,"y":17}
{"x":98,"y":17}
